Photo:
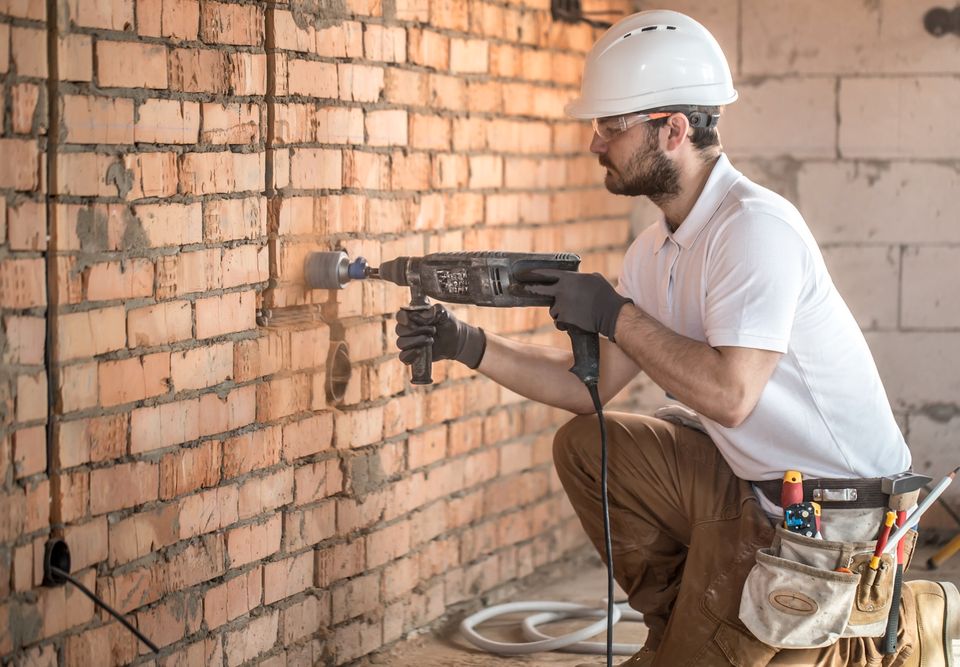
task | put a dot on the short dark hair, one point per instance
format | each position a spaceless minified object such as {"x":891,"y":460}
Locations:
{"x":703,"y":137}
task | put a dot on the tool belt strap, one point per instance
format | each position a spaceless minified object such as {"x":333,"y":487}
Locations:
{"x":832,"y":493}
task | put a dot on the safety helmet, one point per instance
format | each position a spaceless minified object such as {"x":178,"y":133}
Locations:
{"x":649,"y":60}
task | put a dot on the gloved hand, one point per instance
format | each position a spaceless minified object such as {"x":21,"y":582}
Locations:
{"x":436,"y":326}
{"x":584,"y":300}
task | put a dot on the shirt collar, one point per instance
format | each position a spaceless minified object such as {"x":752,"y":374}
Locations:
{"x":721,"y":179}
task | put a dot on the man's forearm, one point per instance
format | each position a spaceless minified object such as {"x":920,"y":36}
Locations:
{"x":700,"y":376}
{"x":535,"y":371}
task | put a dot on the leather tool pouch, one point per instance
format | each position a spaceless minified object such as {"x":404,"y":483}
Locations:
{"x":794,"y":597}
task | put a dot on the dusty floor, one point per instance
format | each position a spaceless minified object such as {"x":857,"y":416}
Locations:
{"x":449,"y":649}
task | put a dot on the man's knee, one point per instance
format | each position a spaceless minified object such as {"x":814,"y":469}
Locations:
{"x":571,"y":438}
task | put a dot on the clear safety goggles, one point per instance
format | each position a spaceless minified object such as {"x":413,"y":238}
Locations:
{"x":611,"y":127}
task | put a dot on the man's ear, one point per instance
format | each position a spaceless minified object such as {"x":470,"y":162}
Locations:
{"x":679,"y":127}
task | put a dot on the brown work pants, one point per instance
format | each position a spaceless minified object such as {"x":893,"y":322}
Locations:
{"x":685,"y":531}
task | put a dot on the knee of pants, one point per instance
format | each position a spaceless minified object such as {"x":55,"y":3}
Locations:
{"x":573,"y":438}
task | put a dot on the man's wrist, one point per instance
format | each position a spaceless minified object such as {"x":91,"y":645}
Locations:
{"x":627,"y":310}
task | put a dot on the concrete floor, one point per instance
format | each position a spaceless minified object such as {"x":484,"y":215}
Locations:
{"x":448,"y":649}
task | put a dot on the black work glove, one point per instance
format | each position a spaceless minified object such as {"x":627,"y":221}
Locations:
{"x":436,"y":326}
{"x":583,"y":300}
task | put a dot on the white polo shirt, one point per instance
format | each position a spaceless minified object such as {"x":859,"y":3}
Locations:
{"x":744,"y":270}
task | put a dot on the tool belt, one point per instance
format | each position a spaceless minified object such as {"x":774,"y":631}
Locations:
{"x":795,"y":597}
{"x":832,"y":493}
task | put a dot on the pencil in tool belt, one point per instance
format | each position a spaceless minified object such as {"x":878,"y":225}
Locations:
{"x":888,"y":520}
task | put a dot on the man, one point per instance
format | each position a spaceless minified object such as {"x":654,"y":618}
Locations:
{"x":727,"y":305}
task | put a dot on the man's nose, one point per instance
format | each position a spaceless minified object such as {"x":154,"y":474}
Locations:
{"x":598,"y":145}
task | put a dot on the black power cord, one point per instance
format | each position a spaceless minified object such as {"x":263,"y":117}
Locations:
{"x":57,"y":572}
{"x":607,"y":537}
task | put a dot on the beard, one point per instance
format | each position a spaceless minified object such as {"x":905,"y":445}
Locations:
{"x":649,"y":172}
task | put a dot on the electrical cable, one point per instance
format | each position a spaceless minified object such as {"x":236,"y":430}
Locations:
{"x":607,"y":535}
{"x":76,"y":582}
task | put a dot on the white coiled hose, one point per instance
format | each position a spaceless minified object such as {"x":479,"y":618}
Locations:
{"x":550,"y":612}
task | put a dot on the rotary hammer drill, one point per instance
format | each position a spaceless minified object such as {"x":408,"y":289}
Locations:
{"x":486,"y":278}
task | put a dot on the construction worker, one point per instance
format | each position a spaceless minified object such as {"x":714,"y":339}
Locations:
{"x":727,"y":305}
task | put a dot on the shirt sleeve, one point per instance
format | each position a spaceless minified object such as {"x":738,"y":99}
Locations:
{"x":755,"y":278}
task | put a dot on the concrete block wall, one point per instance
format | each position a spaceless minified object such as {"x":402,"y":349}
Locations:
{"x":846,"y":109}
{"x":164,"y":405}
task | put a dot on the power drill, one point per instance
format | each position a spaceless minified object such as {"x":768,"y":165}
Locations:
{"x":486,"y":278}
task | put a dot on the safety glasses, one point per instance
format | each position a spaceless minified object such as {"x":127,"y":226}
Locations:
{"x":611,"y":127}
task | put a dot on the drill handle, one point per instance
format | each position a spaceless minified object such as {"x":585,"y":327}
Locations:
{"x":422,"y":366}
{"x":586,"y":355}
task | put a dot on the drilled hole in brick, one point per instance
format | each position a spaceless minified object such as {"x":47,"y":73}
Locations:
{"x":338,"y":371}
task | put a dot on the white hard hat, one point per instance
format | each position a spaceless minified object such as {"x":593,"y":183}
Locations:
{"x":653,"y":59}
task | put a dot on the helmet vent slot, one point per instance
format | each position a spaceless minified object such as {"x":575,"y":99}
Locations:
{"x":650,"y":27}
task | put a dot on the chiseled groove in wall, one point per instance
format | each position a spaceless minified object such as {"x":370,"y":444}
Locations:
{"x":52,"y":186}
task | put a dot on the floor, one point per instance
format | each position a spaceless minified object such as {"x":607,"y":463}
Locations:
{"x":450,"y":649}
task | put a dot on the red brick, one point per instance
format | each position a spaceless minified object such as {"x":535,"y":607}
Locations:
{"x":201,"y":367}
{"x":153,"y":174}
{"x":197,"y":271}
{"x":236,"y":123}
{"x":207,"y":511}
{"x":253,"y":542}
{"x":245,"y":265}
{"x":306,"y":527}
{"x":168,"y":18}
{"x":228,"y":313}
{"x":28,"y":51}
{"x":234,"y":219}
{"x":236,"y":410}
{"x":128,"y":279}
{"x":97,"y":120}
{"x":84,"y":174}
{"x":287,"y":577}
{"x":20,"y":169}
{"x":199,"y":71}
{"x":233,"y":598}
{"x":131,"y":65}
{"x":299,"y":620}
{"x":312,"y":78}
{"x":256,"y":637}
{"x":413,"y":10}
{"x":92,"y":439}
{"x":171,"y":620}
{"x":469,"y":55}
{"x":427,"y":447}
{"x":78,"y":387}
{"x":256,"y":358}
{"x":142,"y":533}
{"x":400,"y":578}
{"x":25,"y":340}
{"x":31,"y":401}
{"x":447,"y":92}
{"x":452,"y":14}
{"x":88,"y":543}
{"x":366,"y":171}
{"x":360,"y":83}
{"x":4,"y":48}
{"x":75,"y":57}
{"x":109,"y":14}
{"x":123,"y":485}
{"x":164,"y":425}
{"x":73,"y":497}
{"x":222,"y":23}
{"x":339,"y":562}
{"x":90,"y":646}
{"x":281,"y":397}
{"x":25,"y":116}
{"x":429,"y":132}
{"x":28,"y":226}
{"x":344,"y":40}
{"x":316,"y":168}
{"x":159,"y":325}
{"x":316,"y":481}
{"x":428,"y":48}
{"x":251,"y":451}
{"x":221,"y":172}
{"x":407,"y":88}
{"x":248,"y":73}
{"x":355,"y":597}
{"x":385,"y":43}
{"x":133,"y":379}
{"x":308,"y":436}
{"x":167,"y":122}
{"x":189,"y":469}
{"x":22,"y":283}
{"x":90,"y":333}
{"x":260,"y":495}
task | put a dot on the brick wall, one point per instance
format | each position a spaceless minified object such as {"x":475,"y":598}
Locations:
{"x":846,"y":109}
{"x":166,"y":167}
